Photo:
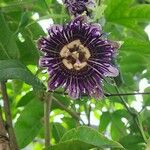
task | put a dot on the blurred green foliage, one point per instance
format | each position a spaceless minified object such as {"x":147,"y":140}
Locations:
{"x":125,"y":21}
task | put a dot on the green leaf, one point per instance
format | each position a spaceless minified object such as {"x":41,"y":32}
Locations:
{"x":131,"y":141}
{"x":99,"y":10}
{"x":144,"y":118}
{"x":137,"y":63}
{"x":148,"y":145}
{"x":118,"y":129}
{"x":73,"y":144}
{"x":25,"y":99}
{"x":70,"y":122}
{"x":120,"y":12}
{"x":146,"y":98}
{"x":104,"y":121}
{"x":29,"y":123}
{"x":63,"y":99}
{"x":13,"y":6}
{"x":114,"y":8}
{"x":139,"y":12}
{"x":8,"y":47}
{"x":17,"y":86}
{"x":13,"y":69}
{"x":24,"y":20}
{"x":136,"y":46}
{"x":35,"y":30}
{"x":57,"y":131}
{"x":59,"y":15}
{"x":129,"y":81}
{"x":84,"y":138}
{"x":28,"y":51}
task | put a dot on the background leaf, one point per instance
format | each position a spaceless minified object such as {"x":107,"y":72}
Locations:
{"x":84,"y":138}
{"x":13,"y":69}
{"x":8,"y":47}
{"x":29,"y":123}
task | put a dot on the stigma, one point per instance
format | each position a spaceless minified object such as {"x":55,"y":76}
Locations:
{"x":75,"y":55}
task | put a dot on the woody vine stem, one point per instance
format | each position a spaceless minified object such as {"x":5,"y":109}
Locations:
{"x":8,"y":116}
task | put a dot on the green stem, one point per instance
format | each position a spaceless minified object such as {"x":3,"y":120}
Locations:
{"x":141,"y":129}
{"x":47,"y":107}
{"x":69,"y":111}
{"x":112,"y":94}
{"x":89,"y":115}
{"x":123,"y":101}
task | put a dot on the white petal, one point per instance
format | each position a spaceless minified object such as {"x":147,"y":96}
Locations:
{"x":113,"y":72}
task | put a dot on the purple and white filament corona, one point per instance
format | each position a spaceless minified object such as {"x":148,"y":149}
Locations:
{"x":77,"y":58}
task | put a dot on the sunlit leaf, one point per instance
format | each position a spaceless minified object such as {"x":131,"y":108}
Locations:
{"x":84,"y":138}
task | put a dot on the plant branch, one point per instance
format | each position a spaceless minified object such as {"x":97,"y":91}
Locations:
{"x":2,"y":125}
{"x":72,"y":113}
{"x":4,"y":141}
{"x":126,"y":94}
{"x":89,"y":115}
{"x":11,"y":133}
{"x":112,"y":95}
{"x":133,"y":114}
{"x":47,"y":109}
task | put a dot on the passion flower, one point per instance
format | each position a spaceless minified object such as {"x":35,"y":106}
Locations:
{"x":77,"y":7}
{"x":77,"y":58}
